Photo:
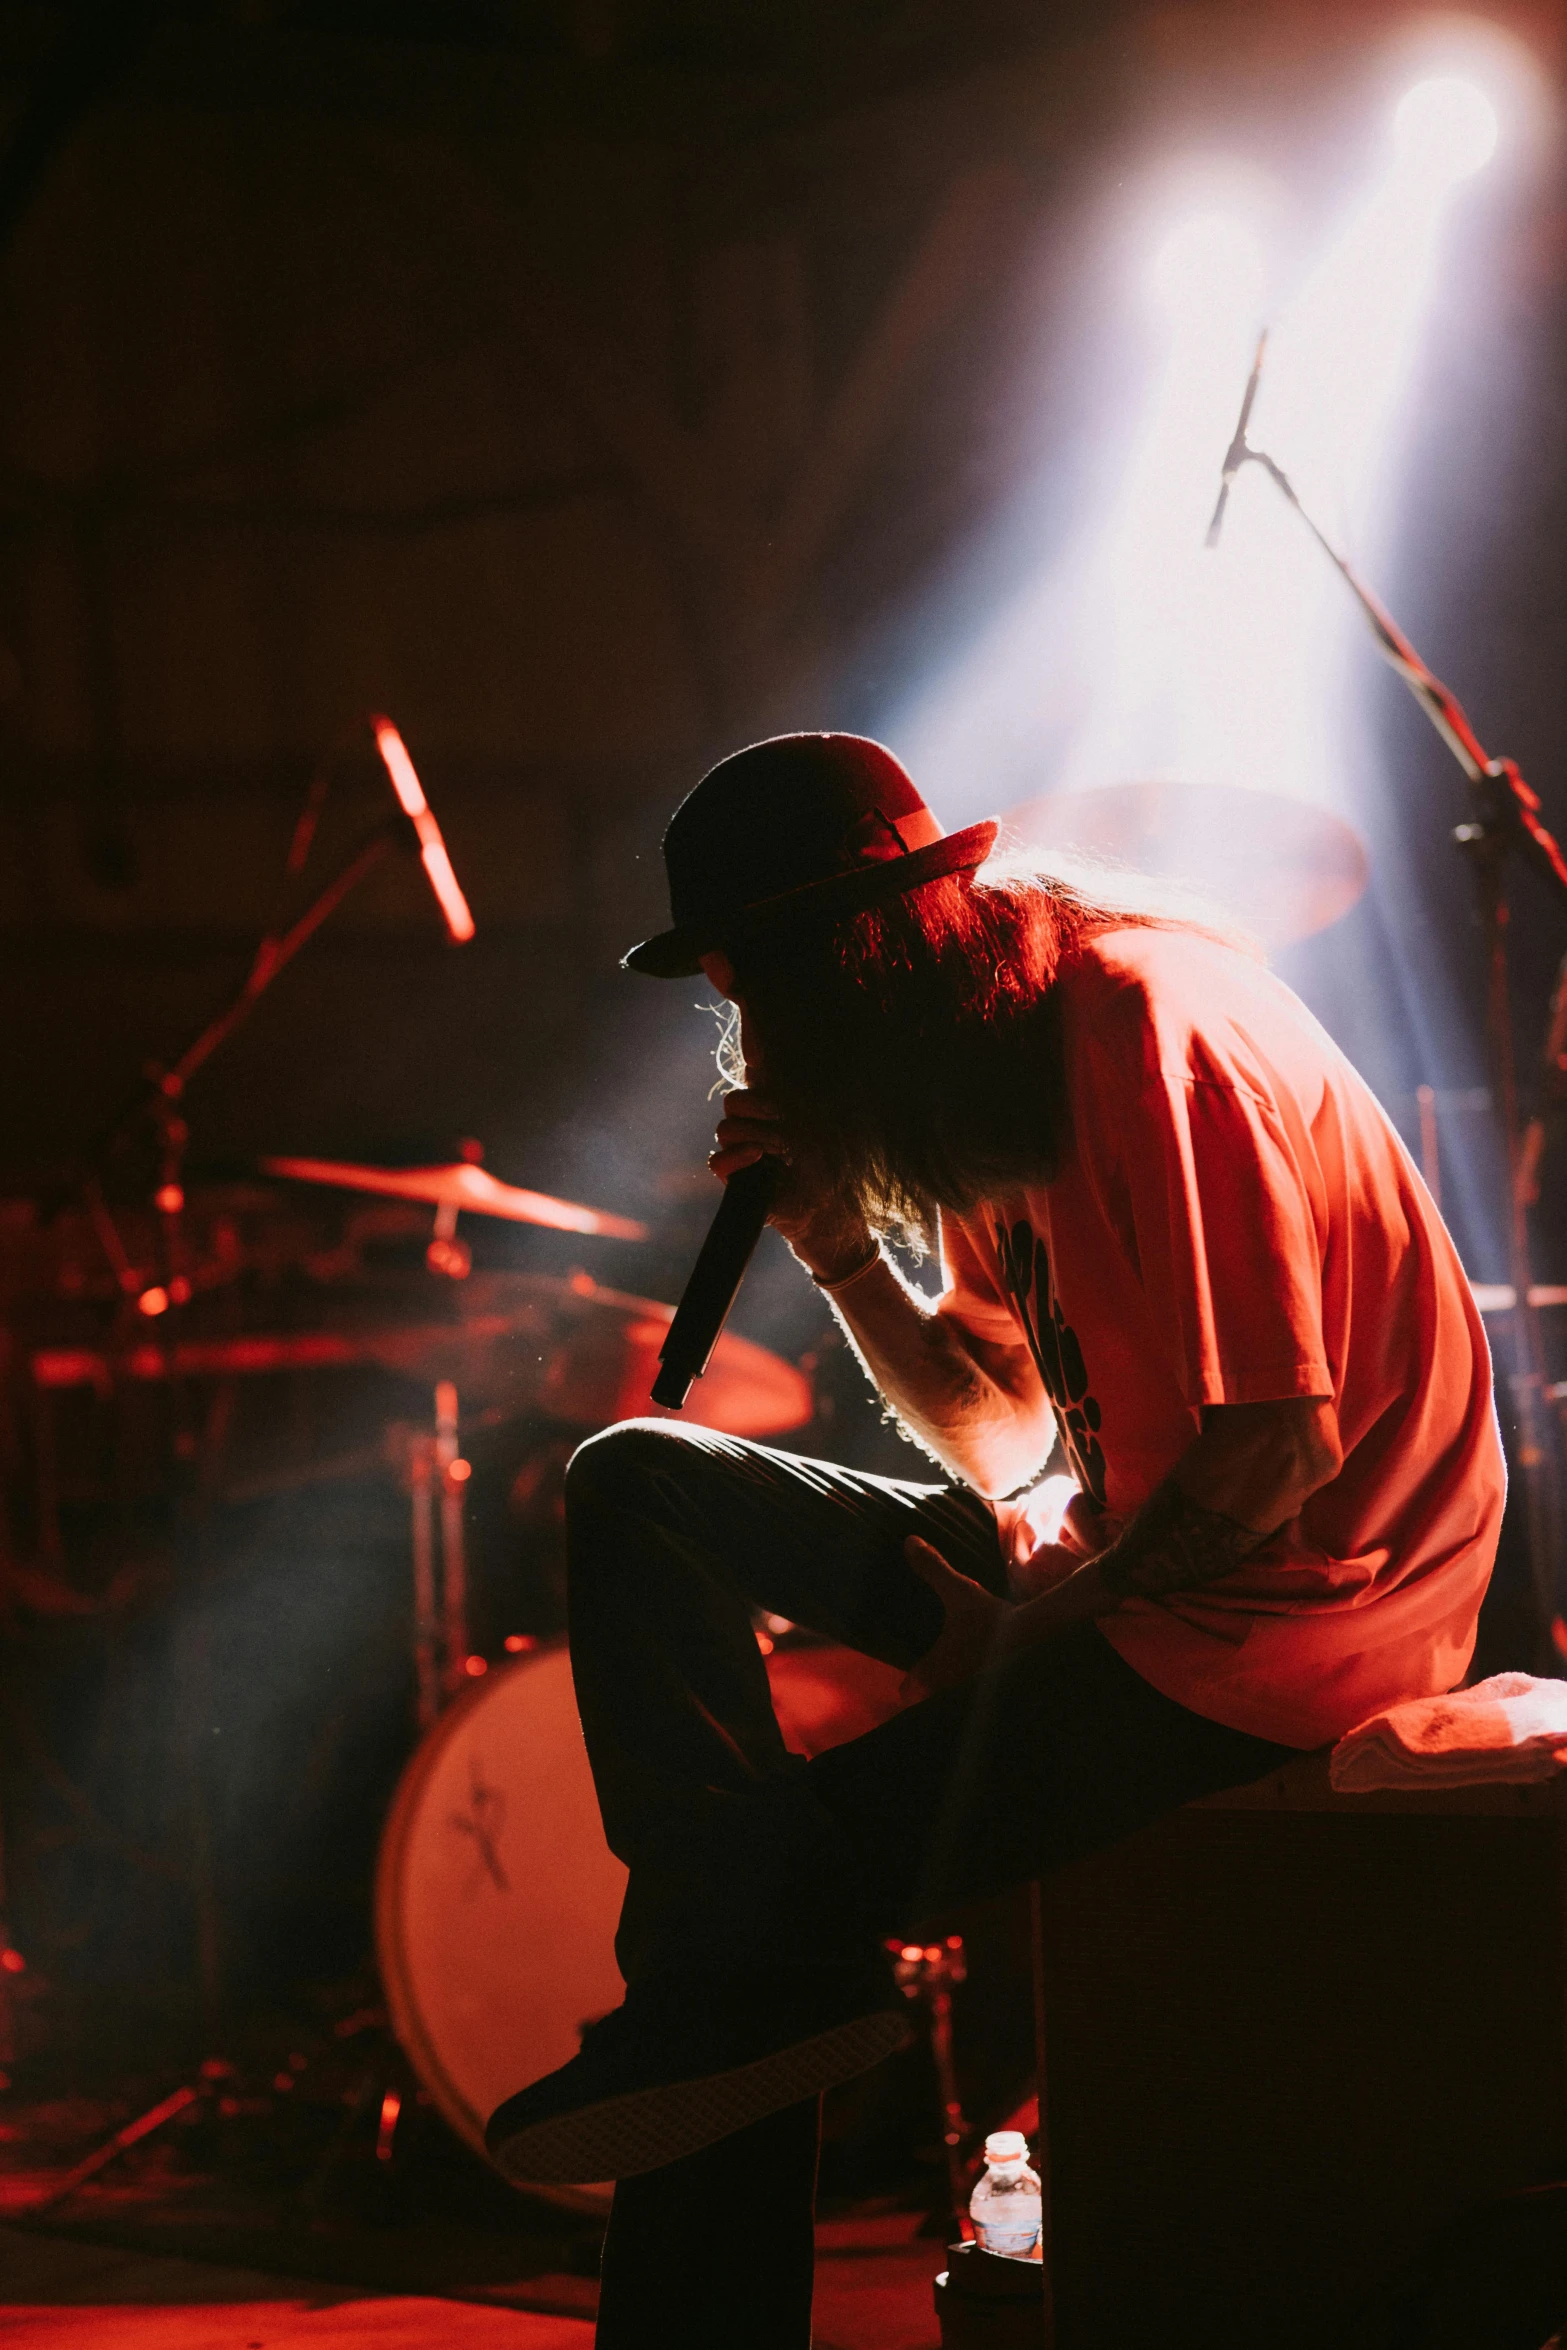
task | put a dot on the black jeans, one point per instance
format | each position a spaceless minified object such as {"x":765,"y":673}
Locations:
{"x":740,"y":1851}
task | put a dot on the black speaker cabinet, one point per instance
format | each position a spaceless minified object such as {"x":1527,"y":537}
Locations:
{"x":1290,"y":2037}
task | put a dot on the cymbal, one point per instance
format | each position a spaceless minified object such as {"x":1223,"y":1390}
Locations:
{"x":462,"y":1186}
{"x":605,"y":1365}
{"x":1279,"y":867}
{"x":513,"y":1342}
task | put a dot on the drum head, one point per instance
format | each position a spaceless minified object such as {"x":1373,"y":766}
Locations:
{"x":497,"y":1898}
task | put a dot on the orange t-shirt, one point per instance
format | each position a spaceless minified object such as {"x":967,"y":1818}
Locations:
{"x":1235,"y":1221}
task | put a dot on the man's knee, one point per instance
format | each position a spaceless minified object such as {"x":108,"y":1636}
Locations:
{"x":620,"y":1467}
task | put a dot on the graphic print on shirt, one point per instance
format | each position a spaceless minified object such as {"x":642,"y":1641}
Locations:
{"x":1025,"y":1276}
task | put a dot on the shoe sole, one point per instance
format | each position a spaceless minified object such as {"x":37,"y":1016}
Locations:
{"x":621,"y":2137}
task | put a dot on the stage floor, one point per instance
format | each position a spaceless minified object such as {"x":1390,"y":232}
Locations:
{"x":59,"y":2293}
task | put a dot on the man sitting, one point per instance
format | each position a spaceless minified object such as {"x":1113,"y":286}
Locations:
{"x":1182,"y":1244}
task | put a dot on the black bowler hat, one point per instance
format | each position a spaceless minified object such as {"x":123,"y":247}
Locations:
{"x":803,"y":826}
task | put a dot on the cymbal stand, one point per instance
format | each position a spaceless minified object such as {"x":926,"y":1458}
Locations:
{"x":413,"y":827}
{"x":1505,"y":821}
{"x":162,"y":1090}
{"x":1555,"y":1087}
{"x":427,"y":1677}
{"x":437,"y":1490}
{"x":452,"y":1473}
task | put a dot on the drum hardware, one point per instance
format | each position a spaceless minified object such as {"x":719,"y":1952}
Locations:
{"x":927,"y":1974}
{"x":427,"y":1678}
{"x":1532,"y":1147}
{"x":561,"y":1345}
{"x":437,"y":1487}
{"x":156,"y":2117}
{"x":84,"y":1252}
{"x":380,"y":2086}
{"x":385,"y":2089}
{"x":446,"y":1254}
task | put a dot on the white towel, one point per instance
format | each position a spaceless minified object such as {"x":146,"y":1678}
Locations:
{"x":1509,"y":1728}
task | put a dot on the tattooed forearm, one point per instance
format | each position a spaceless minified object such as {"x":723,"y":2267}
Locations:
{"x":1174,"y":1544}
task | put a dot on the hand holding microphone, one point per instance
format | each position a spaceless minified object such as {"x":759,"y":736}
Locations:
{"x":767,"y":1179}
{"x":804,"y":1207}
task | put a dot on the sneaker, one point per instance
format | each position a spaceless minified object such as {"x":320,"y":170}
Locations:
{"x":686,"y":2060}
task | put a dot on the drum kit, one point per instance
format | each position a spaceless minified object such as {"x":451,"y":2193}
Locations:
{"x":291,"y":1318}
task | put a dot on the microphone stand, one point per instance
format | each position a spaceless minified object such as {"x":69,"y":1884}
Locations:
{"x":1505,"y":821}
{"x":163,"y":1087}
{"x":413,"y":828}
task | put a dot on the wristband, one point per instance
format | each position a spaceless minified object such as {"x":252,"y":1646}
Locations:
{"x":856,"y":1273}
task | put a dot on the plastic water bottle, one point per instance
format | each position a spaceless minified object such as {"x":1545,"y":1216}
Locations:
{"x":1005,"y":2205}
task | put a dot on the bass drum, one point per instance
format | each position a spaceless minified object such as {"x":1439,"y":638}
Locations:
{"x":496,"y":1896}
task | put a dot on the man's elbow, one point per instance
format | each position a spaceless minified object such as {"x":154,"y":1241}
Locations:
{"x":1308,"y":1453}
{"x":1264,"y":1461}
{"x":1320,"y":1446}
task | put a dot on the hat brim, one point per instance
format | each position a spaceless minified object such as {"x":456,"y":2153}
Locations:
{"x":677,"y":953}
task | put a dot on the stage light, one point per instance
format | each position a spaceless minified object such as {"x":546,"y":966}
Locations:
{"x":1445,"y":129}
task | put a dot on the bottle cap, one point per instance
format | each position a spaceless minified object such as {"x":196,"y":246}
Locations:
{"x":1006,"y":2146}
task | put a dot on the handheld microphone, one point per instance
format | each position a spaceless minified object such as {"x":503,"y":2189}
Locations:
{"x":1237,"y":453}
{"x":714,"y":1280}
